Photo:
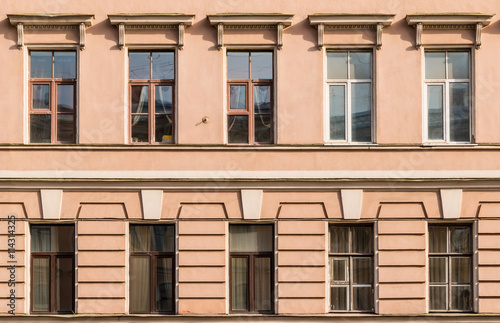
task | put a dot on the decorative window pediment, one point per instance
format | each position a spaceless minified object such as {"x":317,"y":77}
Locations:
{"x":448,"y":21}
{"x":250,"y":21}
{"x":350,"y":21}
{"x":151,"y":21}
{"x":50,"y":21}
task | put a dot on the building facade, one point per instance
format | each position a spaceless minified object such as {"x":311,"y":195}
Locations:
{"x":247,"y":160}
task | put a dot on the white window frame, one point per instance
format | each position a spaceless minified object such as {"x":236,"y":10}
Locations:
{"x":446,"y":100}
{"x":347,"y":83}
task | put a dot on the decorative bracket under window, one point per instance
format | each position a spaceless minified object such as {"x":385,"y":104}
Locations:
{"x":350,"y":21}
{"x":448,"y":21}
{"x":151,"y":21}
{"x":250,"y":21}
{"x":50,"y":21}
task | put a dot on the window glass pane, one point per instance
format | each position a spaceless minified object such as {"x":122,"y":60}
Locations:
{"x":362,"y":270}
{"x":339,"y":239}
{"x":361,"y":239}
{"x":262,"y":284}
{"x":55,"y":238}
{"x":438,"y":269}
{"x":263,"y":128}
{"x":435,"y":111}
{"x":262,"y":99}
{"x":163,"y":128}
{"x":162,"y":238}
{"x":336,"y":65}
{"x":361,"y":109}
{"x":437,"y":298}
{"x":438,"y":239}
{"x":40,"y":96}
{"x":262,"y":65}
{"x":139,"y":66}
{"x":339,"y":298}
{"x":140,"y":283}
{"x":164,"y":286}
{"x":239,"y":283}
{"x":40,"y":128}
{"x":163,"y":99}
{"x":461,"y":298}
{"x":460,"y":270}
{"x":337,"y":112}
{"x":361,"y":65}
{"x":41,"y":64}
{"x":64,"y":65}
{"x":237,"y":129}
{"x":237,"y":65}
{"x":140,"y":98}
{"x":64,"y":284}
{"x":140,"y":132}
{"x":339,"y":270}
{"x":65,"y":98}
{"x":362,"y":298}
{"x":41,"y":281}
{"x":459,"y":112}
{"x":458,"y":65}
{"x":237,"y":97}
{"x":163,"y":66}
{"x":65,"y":128}
{"x":140,"y":238}
{"x":435,"y":65}
{"x":251,"y":238}
{"x":40,"y":238}
{"x":460,"y":239}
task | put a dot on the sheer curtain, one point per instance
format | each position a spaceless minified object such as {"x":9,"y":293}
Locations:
{"x":140,"y":270}
{"x":140,"y":106}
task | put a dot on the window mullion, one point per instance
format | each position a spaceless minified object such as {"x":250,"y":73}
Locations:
{"x":347,"y":111}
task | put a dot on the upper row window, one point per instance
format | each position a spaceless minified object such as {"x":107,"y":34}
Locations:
{"x":52,"y":96}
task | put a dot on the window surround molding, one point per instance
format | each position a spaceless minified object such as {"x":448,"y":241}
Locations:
{"x":151,"y":21}
{"x":334,"y":21}
{"x":50,"y":21}
{"x":250,"y":21}
{"x":473,"y":21}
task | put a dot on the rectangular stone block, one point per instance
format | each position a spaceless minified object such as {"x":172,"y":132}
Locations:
{"x":113,"y":242}
{"x":18,"y":256}
{"x":101,"y":227}
{"x":301,"y":242}
{"x":488,"y":226}
{"x":404,"y":306}
{"x":101,"y":274}
{"x":202,"y":242}
{"x":302,"y":227}
{"x":202,"y":306}
{"x":414,"y":290}
{"x":489,"y":257}
{"x":489,"y":273}
{"x":20,"y":227}
{"x":402,"y":274}
{"x":20,"y":305}
{"x":202,"y":274}
{"x":101,"y":258}
{"x":101,"y":290}
{"x":302,"y":306}
{"x":301,"y":274}
{"x":101,"y":306}
{"x":402,"y":258}
{"x":301,"y":290}
{"x":202,"y":290}
{"x":401,"y":227}
{"x":401,"y":242}
{"x":19,"y":272}
{"x":202,"y":227}
{"x":488,"y":242}
{"x":17,"y":240}
{"x":489,"y":305}
{"x":301,"y":258}
{"x":202,"y":258}
{"x":489,"y":289}
{"x":19,"y":289}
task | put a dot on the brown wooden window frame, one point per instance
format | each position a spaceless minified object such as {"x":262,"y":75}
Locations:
{"x":151,"y":114}
{"x":251,"y":256}
{"x":350,"y":256}
{"x":448,"y":270}
{"x":249,"y":112}
{"x":53,"y":256}
{"x":153,"y":259}
{"x":53,"y":84}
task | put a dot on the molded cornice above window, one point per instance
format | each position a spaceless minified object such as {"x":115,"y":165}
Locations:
{"x":448,"y":21}
{"x":151,"y":21}
{"x":250,"y":21}
{"x":350,"y":21}
{"x":50,"y":21}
